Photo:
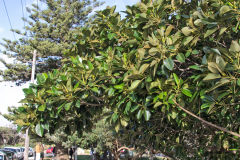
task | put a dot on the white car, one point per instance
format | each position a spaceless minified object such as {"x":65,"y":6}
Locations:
{"x":17,"y":151}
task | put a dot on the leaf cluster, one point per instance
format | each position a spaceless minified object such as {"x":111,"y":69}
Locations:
{"x":162,"y":55}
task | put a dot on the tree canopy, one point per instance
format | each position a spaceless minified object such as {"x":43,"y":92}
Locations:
{"x":49,"y":30}
{"x":10,"y":136}
{"x":168,"y":72}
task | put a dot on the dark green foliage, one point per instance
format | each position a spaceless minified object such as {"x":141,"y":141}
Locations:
{"x":10,"y":137}
{"x":50,"y":30}
{"x":164,"y":58}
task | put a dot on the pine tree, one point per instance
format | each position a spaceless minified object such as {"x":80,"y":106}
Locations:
{"x":49,"y":30}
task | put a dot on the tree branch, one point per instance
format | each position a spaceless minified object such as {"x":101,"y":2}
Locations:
{"x":206,"y":122}
{"x":91,"y":104}
{"x":130,"y":149}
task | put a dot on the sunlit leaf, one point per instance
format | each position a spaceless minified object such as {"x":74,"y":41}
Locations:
{"x":187,"y":92}
{"x":147,"y":115}
{"x":135,"y":84}
{"x":39,"y":129}
{"x":168,"y":63}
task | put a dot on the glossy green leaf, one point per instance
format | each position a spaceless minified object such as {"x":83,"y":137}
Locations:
{"x":111,"y":92}
{"x":45,"y":75}
{"x":115,"y":117}
{"x":226,"y":144}
{"x":111,"y":36}
{"x":90,"y":65}
{"x":76,"y":86}
{"x":132,"y":41}
{"x":198,"y":22}
{"x":196,"y":67}
{"x":134,"y":108}
{"x":235,"y":47}
{"x":68,"y":106}
{"x":212,"y":76}
{"x":168,"y":63}
{"x":187,"y":92}
{"x":42,"y":108}
{"x":137,"y":36}
{"x":186,"y":31}
{"x":187,"y":40}
{"x":128,"y":107}
{"x":143,"y":68}
{"x":139,"y":114}
{"x":123,"y":122}
{"x":46,"y":126}
{"x":221,"y":63}
{"x":157,"y":104}
{"x":238,"y":82}
{"x":78,"y":104}
{"x":223,"y":10}
{"x":147,"y":115}
{"x":205,"y":105}
{"x":168,"y":30}
{"x":27,"y":91}
{"x":19,"y":128}
{"x":69,"y":84}
{"x":141,"y":52}
{"x":153,"y":51}
{"x":215,"y":50}
{"x":39,"y":130}
{"x":134,"y":85}
{"x":220,"y":83}
{"x":195,"y":52}
{"x":213,"y":67}
{"x":119,"y":86}
{"x":174,"y":115}
{"x":210,"y":32}
{"x":222,"y":30}
{"x":176,"y":79}
{"x":117,"y":127}
{"x":41,"y":78}
{"x":95,"y":89}
{"x":180,"y":57}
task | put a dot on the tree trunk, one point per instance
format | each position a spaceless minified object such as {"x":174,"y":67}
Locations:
{"x":26,"y":145}
{"x":61,"y":153}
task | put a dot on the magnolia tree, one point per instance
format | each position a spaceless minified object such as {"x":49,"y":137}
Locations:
{"x":168,"y":72}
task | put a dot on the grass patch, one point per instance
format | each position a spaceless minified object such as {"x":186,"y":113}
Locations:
{"x":84,"y":157}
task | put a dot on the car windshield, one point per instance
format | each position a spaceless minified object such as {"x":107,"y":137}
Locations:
{"x":18,"y":150}
{"x":22,"y":149}
{"x":11,"y":149}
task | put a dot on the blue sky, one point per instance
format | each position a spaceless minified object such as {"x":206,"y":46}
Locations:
{"x":10,"y":94}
